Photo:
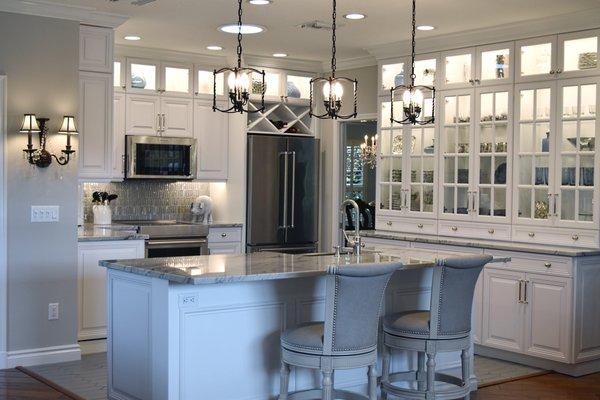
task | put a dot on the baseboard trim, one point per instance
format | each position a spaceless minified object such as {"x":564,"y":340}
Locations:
{"x":92,"y":346}
{"x":575,"y":370}
{"x":44,"y":355}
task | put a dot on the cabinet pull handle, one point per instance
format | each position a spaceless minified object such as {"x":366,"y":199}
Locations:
{"x":164,"y":122}
{"x":223,"y":235}
{"x":491,"y":231}
{"x":575,"y":237}
{"x":196,"y":93}
{"x":552,"y":72}
{"x":471,"y":81}
{"x":520,"y":300}
{"x":158,"y":130}
{"x":454,"y":228}
{"x":547,"y":264}
{"x":525,"y":292}
{"x":124,"y":163}
{"x":477,"y":81}
{"x":559,"y":71}
{"x":420,"y":226}
{"x":389,"y":223}
{"x":124,"y":87}
{"x":531,"y":234}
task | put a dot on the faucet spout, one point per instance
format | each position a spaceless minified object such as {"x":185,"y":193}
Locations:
{"x":355,"y":242}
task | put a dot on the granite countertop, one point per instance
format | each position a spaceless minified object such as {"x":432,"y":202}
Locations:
{"x":95,"y":233}
{"x":485,"y":244}
{"x":224,"y":224}
{"x":265,"y":265}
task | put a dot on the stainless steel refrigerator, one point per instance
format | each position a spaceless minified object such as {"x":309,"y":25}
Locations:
{"x":282,"y":196}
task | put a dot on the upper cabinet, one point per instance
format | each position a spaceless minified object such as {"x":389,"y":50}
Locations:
{"x":154,"y":77}
{"x":396,"y":73}
{"x":120,"y":74}
{"x":558,"y":56}
{"x":282,"y":85}
{"x":95,"y":49}
{"x":211,"y":130}
{"x":206,"y":82}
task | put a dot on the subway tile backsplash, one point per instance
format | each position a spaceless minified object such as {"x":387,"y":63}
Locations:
{"x":146,"y":199}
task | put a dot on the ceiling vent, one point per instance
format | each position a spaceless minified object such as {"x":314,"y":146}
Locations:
{"x":317,"y":25}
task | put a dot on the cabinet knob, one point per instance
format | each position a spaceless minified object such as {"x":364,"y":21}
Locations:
{"x":547,"y":264}
{"x":389,"y":223}
{"x":575,"y":237}
{"x":559,"y":71}
{"x":491,"y":231}
{"x":454,"y":228}
{"x":531,"y":234}
{"x":123,"y":87}
{"x":196,"y":93}
{"x":477,"y":81}
{"x":420,"y":226}
{"x":223,"y":235}
{"x":471,"y":81}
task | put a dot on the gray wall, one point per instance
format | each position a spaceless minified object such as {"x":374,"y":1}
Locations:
{"x":39,"y":57}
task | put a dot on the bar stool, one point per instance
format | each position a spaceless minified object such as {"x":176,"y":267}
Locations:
{"x":446,"y":326}
{"x":347,"y":339}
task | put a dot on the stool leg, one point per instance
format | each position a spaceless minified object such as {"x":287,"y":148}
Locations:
{"x":466,"y":373}
{"x":373,"y":382}
{"x":421,"y":371}
{"x":385,"y":366}
{"x":284,"y":381}
{"x":430,"y":375}
{"x":327,"y":385}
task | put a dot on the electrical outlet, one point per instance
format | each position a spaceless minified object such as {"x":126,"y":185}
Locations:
{"x":45,"y":214}
{"x":52,"y":311}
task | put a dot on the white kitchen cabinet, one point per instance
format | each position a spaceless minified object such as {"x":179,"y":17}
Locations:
{"x":475,"y":66}
{"x":143,"y":76}
{"x":95,"y":122}
{"x":458,"y":68}
{"x":536,"y":59}
{"x":205,"y":82}
{"x":119,"y":122}
{"x":225,"y":240}
{"x":211,"y":130}
{"x":477,"y":311}
{"x":282,"y":85}
{"x":96,"y":49}
{"x":143,"y":115}
{"x":92,"y":282}
{"x":177,"y":117}
{"x":397,"y":72}
{"x":176,"y":79}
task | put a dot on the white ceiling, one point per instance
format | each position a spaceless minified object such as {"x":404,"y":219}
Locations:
{"x":191,"y":25}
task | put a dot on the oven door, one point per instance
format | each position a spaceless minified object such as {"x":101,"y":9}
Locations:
{"x":176,"y":247}
{"x":155,"y":157}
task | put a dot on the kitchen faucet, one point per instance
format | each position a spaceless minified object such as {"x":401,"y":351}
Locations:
{"x":356,"y":241}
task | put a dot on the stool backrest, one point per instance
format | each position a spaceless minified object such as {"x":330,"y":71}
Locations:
{"x":353,"y":305}
{"x":454,"y":281}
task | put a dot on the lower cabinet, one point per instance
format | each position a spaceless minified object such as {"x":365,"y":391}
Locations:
{"x":225,"y":240}
{"x":91,"y":280}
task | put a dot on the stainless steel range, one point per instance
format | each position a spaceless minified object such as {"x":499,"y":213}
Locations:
{"x":172,"y":238}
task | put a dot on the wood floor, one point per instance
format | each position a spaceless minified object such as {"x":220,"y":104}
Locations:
{"x":15,"y":385}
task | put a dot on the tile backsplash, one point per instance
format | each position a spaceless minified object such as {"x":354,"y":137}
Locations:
{"x":146,"y":199}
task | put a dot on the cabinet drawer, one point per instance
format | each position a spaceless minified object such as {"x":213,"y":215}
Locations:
{"x":538,"y":263}
{"x":224,"y":235}
{"x":474,"y":230}
{"x":555,"y":236}
{"x":407,"y":225}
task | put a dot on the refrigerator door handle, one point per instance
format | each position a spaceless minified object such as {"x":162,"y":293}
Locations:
{"x":293,"y":206}
{"x":285,"y":188}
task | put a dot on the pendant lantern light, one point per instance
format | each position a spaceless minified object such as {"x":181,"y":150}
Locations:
{"x":412,"y":95}
{"x":333,"y":86}
{"x":240,"y":81}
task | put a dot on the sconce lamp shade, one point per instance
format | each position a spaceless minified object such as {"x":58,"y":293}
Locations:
{"x":29,"y":124}
{"x":68,"y":126}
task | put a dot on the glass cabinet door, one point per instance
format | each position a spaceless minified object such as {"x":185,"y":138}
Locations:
{"x":492,"y":146}
{"x":297,"y":87}
{"x":119,"y":75}
{"x":422,"y":169}
{"x":425,"y":70}
{"x":534,"y":144}
{"x":456,"y":145}
{"x":459,"y":68}
{"x":143,"y":76}
{"x":576,"y":152}
{"x":578,"y":54}
{"x":176,"y":79}
{"x":389,"y":167}
{"x":393,"y":75}
{"x":536,"y":59}
{"x":205,"y":83}
{"x":494,"y":64}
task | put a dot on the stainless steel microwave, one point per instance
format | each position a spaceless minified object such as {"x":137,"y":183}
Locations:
{"x":159,"y":157}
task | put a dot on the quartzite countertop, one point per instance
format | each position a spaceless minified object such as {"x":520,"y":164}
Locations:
{"x":265,"y":266}
{"x":484,"y":244}
{"x":95,"y":233}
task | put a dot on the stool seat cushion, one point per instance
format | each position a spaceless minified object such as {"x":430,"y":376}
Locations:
{"x":408,"y":323}
{"x":306,"y":338}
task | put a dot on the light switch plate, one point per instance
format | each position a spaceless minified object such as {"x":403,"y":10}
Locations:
{"x":45,"y":214}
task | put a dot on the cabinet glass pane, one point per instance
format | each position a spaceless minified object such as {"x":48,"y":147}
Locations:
{"x":298,"y":87}
{"x":384,"y":142}
{"x":177,"y":79}
{"x":384,"y":169}
{"x":425,"y":71}
{"x":397,"y":175}
{"x":397,"y":197}
{"x":392,"y":75}
{"x":536,"y":59}
{"x":206,"y":82}
{"x":384,"y":197}
{"x":398,"y":142}
{"x":541,"y":205}
{"x":143,"y":76}
{"x":577,"y":157}
{"x":458,"y":68}
{"x":580,"y":54}
{"x":543,"y":103}
{"x":117,"y":74}
{"x":386,"y":112}
{"x":526,"y":105}
{"x":499,"y":201}
{"x":272,"y":82}
{"x":495,"y":64}
{"x":422,"y":167}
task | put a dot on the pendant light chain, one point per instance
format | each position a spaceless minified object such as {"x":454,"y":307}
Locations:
{"x":239,"y":36}
{"x":333,"y":39}
{"x":414,"y":42}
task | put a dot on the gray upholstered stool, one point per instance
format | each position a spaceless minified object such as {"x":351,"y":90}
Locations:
{"x":445,"y":327}
{"x":348,"y":337}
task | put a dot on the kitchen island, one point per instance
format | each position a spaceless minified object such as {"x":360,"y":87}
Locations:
{"x":208,"y":327}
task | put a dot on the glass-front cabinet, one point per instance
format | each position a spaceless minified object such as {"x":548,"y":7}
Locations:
{"x":282,"y":85}
{"x":150,"y":77}
{"x":483,"y":65}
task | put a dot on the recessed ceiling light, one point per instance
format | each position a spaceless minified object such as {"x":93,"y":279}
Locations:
{"x":355,"y":16}
{"x":133,"y":38}
{"x":260,"y":2}
{"x":279,"y":55}
{"x":214,"y":48}
{"x":425,"y":27}
{"x":247,"y":29}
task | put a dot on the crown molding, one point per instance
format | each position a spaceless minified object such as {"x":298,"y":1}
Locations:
{"x":283,"y":63}
{"x":83,"y":15}
{"x":351,"y":63}
{"x":578,"y":21}
{"x":212,"y":60}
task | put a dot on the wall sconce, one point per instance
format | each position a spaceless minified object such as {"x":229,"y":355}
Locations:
{"x":42,"y":157}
